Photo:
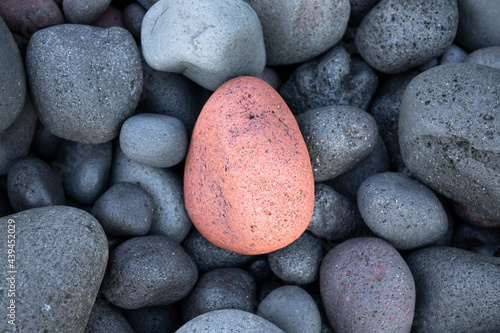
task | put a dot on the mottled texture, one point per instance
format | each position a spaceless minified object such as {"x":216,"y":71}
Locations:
{"x":488,"y":56}
{"x":457,"y":291}
{"x":298,"y":30}
{"x":337,"y":138}
{"x":449,"y":131}
{"x":396,"y":36}
{"x":61,"y":256}
{"x":106,"y":318}
{"x":28,"y":16}
{"x":248,"y":183}
{"x":478,"y":25}
{"x":366,"y":286}
{"x":85,"y":81}
{"x":84,"y":12}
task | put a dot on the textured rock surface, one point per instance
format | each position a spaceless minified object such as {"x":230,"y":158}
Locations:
{"x":248,"y":183}
{"x":449,"y":132}
{"x":478,"y":25}
{"x":61,"y":257}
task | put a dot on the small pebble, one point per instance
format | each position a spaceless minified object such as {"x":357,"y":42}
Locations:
{"x":488,"y":56}
{"x":133,"y":15}
{"x":111,"y":17}
{"x":84,"y":12}
{"x":453,"y":55}
{"x":259,"y":269}
{"x":106,"y":317}
{"x":161,"y":319}
{"x":27,"y":17}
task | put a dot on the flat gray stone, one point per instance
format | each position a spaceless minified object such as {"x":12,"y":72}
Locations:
{"x":478,"y":25}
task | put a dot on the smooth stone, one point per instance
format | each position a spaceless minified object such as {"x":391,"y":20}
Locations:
{"x":449,"y":133}
{"x":83,"y":89}
{"x":457,"y":291}
{"x":488,"y":56}
{"x":223,"y":288}
{"x":337,"y":138}
{"x":125,"y":209}
{"x":13,"y":85}
{"x":453,"y":55}
{"x":359,"y":9}
{"x":333,"y":79}
{"x":154,"y":139}
{"x":229,"y":320}
{"x":428,"y":65}
{"x":148,"y":271}
{"x":106,"y":318}
{"x":485,"y":241}
{"x":298,"y":262}
{"x":84,"y":12}
{"x":33,"y":183}
{"x":112,"y":17}
{"x":402,"y":211}
{"x":61,"y":257}
{"x":397,"y":36}
{"x":133,"y":15}
{"x":472,"y":217}
{"x":161,"y":319}
{"x":45,"y":144}
{"x":296,"y":30}
{"x":208,"y":256}
{"x":478,"y":25}
{"x":27,"y":17}
{"x":84,"y":169}
{"x":16,"y":140}
{"x":366,"y":286}
{"x":385,"y":109}
{"x":165,"y":187}
{"x":335,"y":217}
{"x":292,"y":309}
{"x":208,"y":49}
{"x":147,"y":3}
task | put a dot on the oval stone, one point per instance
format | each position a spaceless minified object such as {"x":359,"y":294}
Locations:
{"x":248,"y":181}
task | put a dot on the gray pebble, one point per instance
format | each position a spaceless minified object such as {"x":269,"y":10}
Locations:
{"x":154,"y":319}
{"x":229,"y":320}
{"x":449,"y":132}
{"x":296,"y":30}
{"x":396,"y":36}
{"x":148,"y":271}
{"x":165,"y":187}
{"x":208,"y":256}
{"x":224,"y":288}
{"x":45,"y":144}
{"x":292,"y":309}
{"x":478,"y":25}
{"x":298,"y":262}
{"x":32,"y":183}
{"x":453,"y":55}
{"x":208,"y":49}
{"x":334,"y":79}
{"x":488,"y":56}
{"x":106,"y":318}
{"x":402,"y":211}
{"x":154,"y":139}
{"x":147,"y":3}
{"x":471,"y":217}
{"x":337,"y":138}
{"x":133,"y":15}
{"x":61,"y":259}
{"x":84,"y":12}
{"x":125,"y":209}
{"x":457,"y":291}
{"x":85,"y":80}
{"x":13,"y":84}
{"x":84,"y":169}
{"x":272,"y":77}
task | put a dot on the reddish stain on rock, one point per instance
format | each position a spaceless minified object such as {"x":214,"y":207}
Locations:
{"x":248,"y":181}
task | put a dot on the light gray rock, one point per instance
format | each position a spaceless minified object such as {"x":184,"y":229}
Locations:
{"x":209,"y":42}
{"x":296,"y":30}
{"x":61,"y":256}
{"x":396,"y":36}
{"x":85,"y":81}
{"x":488,"y":56}
{"x":84,"y":12}
{"x":454,"y":55}
{"x":106,"y":318}
{"x":478,"y":25}
{"x":449,"y":132}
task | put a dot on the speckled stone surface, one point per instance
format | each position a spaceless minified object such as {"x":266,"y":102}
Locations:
{"x":248,"y":182}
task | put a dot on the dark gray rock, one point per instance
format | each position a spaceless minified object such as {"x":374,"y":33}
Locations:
{"x":359,"y":9}
{"x":335,"y":218}
{"x":16,"y":140}
{"x":259,"y":269}
{"x":208,"y":49}
{"x":478,"y":25}
{"x":147,"y":3}
{"x":133,"y":15}
{"x":334,"y":79}
{"x":32,"y":183}
{"x":208,"y":256}
{"x":471,"y":217}
{"x":13,"y":84}
{"x":61,"y":256}
{"x":154,"y":139}
{"x":296,"y":31}
{"x":125,"y":209}
{"x":396,"y":36}
{"x":85,"y":80}
{"x":402,"y":211}
{"x":449,"y":132}
{"x":457,"y":291}
{"x":223,"y":288}
{"x":45,"y":144}
{"x":84,"y":169}
{"x":488,"y":56}
{"x":154,"y":319}
{"x":337,"y":138}
{"x":165,"y":187}
{"x":148,"y":271}
{"x":292,"y":309}
{"x":106,"y":318}
{"x":230,"y":320}
{"x":485,"y":241}
{"x":84,"y":12}
{"x":366,"y":286}
{"x":298,"y":262}
{"x":454,"y":55}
